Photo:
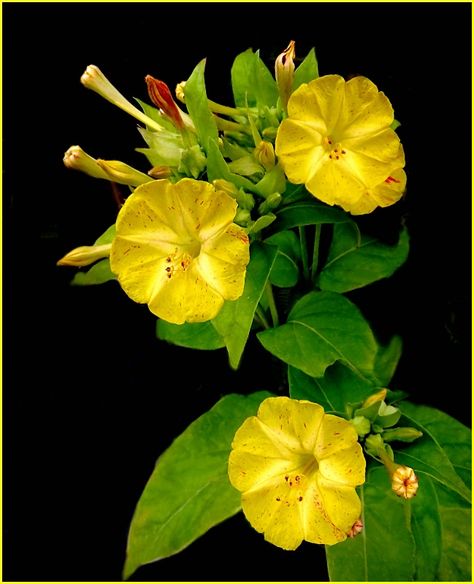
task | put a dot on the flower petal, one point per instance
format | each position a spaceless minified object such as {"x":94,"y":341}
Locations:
{"x":185,"y":297}
{"x":223,"y":260}
{"x":365,"y":109}
{"x":341,"y":504}
{"x":204,"y":210}
{"x":299,"y":148}
{"x":318,"y":102}
{"x":296,"y":423}
{"x":391,"y":189}
{"x":346,"y":467}
{"x":335,"y":434}
{"x":275,"y":509}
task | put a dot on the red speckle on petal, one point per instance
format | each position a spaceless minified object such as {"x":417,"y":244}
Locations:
{"x":390,"y":179}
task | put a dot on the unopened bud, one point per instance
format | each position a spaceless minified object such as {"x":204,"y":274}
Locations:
{"x":362,"y":425}
{"x":77,"y":159}
{"x":85,"y":255}
{"x":356,"y":528}
{"x":122,"y":173}
{"x":404,"y":434}
{"x":158,"y":172}
{"x":265,"y":154}
{"x":375,"y":397}
{"x":94,"y":79}
{"x":244,"y":200}
{"x":285,"y":72}
{"x":270,"y":203}
{"x":179,"y":91}
{"x":404,"y":482}
{"x":160,"y":95}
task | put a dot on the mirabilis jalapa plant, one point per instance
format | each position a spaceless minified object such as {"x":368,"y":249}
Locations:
{"x":220,"y":237}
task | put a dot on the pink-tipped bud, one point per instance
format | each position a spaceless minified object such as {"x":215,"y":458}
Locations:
{"x":161,"y":96}
{"x":356,"y":528}
{"x":285,"y":73}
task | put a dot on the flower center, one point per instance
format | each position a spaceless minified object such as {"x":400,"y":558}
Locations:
{"x":334,"y":148}
{"x":181,"y":259}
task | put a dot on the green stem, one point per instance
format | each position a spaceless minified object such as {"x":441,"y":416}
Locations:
{"x":228,"y":126}
{"x":261,"y":318}
{"x":271,"y":304}
{"x":304,"y":252}
{"x":218,"y":108}
{"x":314,"y":264}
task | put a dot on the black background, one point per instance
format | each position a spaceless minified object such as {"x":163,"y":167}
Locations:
{"x":91,"y":398}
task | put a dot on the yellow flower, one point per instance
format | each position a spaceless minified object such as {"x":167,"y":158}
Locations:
{"x":404,"y":482}
{"x":297,"y":469}
{"x":177,"y":249}
{"x":337,"y":140}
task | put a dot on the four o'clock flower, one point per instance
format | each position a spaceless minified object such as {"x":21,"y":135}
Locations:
{"x":161,"y":96}
{"x":297,"y":469}
{"x":285,"y":73}
{"x":338,"y":142}
{"x":177,"y":249}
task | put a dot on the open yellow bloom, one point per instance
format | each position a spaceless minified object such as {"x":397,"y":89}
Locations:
{"x":177,"y":249}
{"x":337,"y":141}
{"x":297,"y":469}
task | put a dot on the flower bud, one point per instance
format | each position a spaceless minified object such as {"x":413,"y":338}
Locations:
{"x":85,"y":255}
{"x":285,"y":72}
{"x":387,"y":415}
{"x":94,"y":79}
{"x":244,"y":200}
{"x":270,"y":203}
{"x":122,"y":173}
{"x":375,"y":397}
{"x":265,"y":154}
{"x":161,"y":96}
{"x":362,"y":425}
{"x":404,"y":482}
{"x":406,"y":434}
{"x":179,"y":91}
{"x":77,"y":159}
{"x":158,"y":172}
{"x":356,"y":529}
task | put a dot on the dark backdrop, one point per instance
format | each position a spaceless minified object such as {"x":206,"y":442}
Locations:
{"x":91,"y":398}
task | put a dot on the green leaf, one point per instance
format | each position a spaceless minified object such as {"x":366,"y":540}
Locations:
{"x":307,"y":70}
{"x":234,"y":321}
{"x":353,"y":264}
{"x":107,"y":237}
{"x":285,"y":270}
{"x":198,"y":109}
{"x":252,"y":83}
{"x":308,"y":213}
{"x":322,"y":328}
{"x":427,"y":538}
{"x":217,"y":168}
{"x":385,"y":550}
{"x":189,"y":491}
{"x":155,"y":114}
{"x":387,"y":359}
{"x":99,"y":273}
{"x":444,"y":453}
{"x":339,"y":386}
{"x":196,"y":335}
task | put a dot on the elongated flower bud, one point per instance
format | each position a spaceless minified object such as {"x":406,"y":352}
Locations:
{"x":374,"y":398}
{"x":85,"y":255}
{"x":122,"y":173}
{"x":77,"y":159}
{"x":94,"y":79}
{"x":285,"y":72}
{"x":265,"y":154}
{"x":161,"y":96}
{"x":158,"y":172}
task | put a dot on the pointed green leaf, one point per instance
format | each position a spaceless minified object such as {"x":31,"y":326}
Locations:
{"x":252,"y":83}
{"x":198,"y":109}
{"x":339,"y":386}
{"x":99,"y":273}
{"x":234,"y":321}
{"x":353,"y":264}
{"x":307,"y":70}
{"x":308,"y":213}
{"x":322,"y":328}
{"x":189,"y":491}
{"x":387,"y":360}
{"x":385,"y":550}
{"x":107,"y":237}
{"x":196,"y":335}
{"x":285,"y":271}
{"x":217,"y":168}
